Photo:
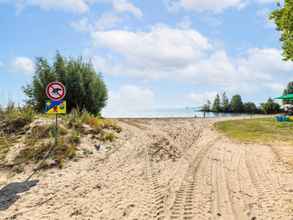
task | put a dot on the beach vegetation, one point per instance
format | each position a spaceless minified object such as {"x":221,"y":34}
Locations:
{"x":270,"y":107}
{"x":13,"y":119}
{"x":250,"y":108}
{"x":283,"y":18}
{"x":236,"y":104}
{"x":4,"y":147}
{"x":85,"y":88}
{"x":225,"y":104}
{"x":108,"y":137}
{"x":217,"y":104}
{"x":61,"y":152}
{"x":288,"y":90}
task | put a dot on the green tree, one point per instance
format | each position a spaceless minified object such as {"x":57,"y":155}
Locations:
{"x":288,"y":90}
{"x":283,"y":17}
{"x":225,"y":103}
{"x":236,"y":104}
{"x":249,"y":107}
{"x":217,"y":104}
{"x":206,"y":107}
{"x":270,"y":107}
{"x":85,"y":88}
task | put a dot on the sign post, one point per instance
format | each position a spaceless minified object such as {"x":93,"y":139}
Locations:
{"x":56,"y":92}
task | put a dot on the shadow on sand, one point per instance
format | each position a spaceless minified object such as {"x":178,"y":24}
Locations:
{"x":9,"y":193}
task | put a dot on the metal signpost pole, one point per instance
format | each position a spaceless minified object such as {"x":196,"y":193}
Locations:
{"x":56,"y":130}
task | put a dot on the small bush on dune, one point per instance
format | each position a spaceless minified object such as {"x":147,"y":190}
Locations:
{"x":73,"y":120}
{"x":59,"y":154}
{"x":74,"y":137}
{"x":4,"y":148}
{"x":76,"y":119}
{"x":108,"y":137}
{"x":14,"y":119}
{"x":40,"y":131}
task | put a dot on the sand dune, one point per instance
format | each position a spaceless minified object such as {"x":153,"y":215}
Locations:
{"x":161,"y":169}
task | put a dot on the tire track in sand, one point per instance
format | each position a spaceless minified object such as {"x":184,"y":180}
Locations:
{"x":157,"y":196}
{"x":183,"y":205}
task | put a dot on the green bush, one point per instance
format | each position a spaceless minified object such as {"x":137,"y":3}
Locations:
{"x":85,"y":88}
{"x":74,"y":137}
{"x":108,"y":137}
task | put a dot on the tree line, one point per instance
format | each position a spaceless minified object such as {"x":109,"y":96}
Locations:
{"x":222,"y":104}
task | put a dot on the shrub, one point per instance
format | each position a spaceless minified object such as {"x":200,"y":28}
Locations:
{"x":108,"y":137}
{"x":74,"y":137}
{"x":4,"y":148}
{"x":14,"y":119}
{"x":36,"y":153}
{"x":85,"y":88}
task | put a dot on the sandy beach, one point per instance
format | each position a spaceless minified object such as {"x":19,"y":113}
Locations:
{"x":159,"y":169}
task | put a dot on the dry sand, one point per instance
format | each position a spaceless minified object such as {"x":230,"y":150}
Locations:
{"x":161,"y":169}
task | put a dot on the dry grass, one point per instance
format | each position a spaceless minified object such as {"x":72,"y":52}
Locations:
{"x":4,"y":148}
{"x":60,"y":153}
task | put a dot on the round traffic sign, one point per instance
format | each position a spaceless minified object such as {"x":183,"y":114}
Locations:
{"x":55,"y":91}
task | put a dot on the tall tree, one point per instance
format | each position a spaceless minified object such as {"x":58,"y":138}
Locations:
{"x":85,"y":88}
{"x":283,"y":17}
{"x":217,"y":104}
{"x":288,"y":90}
{"x":236,"y":104}
{"x":225,"y":103}
{"x":206,"y":107}
{"x":249,"y":107}
{"x":270,"y":107}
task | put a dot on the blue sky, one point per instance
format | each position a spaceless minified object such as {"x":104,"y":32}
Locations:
{"x":163,"y":53}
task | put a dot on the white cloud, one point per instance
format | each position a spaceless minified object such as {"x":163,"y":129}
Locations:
{"x":201,"y":98}
{"x":263,"y":64}
{"x":277,"y":87}
{"x":106,"y":21}
{"x":215,"y":6}
{"x":76,"y":6}
{"x":165,"y":53}
{"x":161,"y":48}
{"x":125,"y":6}
{"x":266,"y":1}
{"x":129,"y":99}
{"x":82,"y":25}
{"x":185,"y":23}
{"x":264,"y":14}
{"x":1,"y":64}
{"x":23,"y":65}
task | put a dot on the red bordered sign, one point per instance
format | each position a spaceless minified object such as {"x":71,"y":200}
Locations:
{"x":55,"y":91}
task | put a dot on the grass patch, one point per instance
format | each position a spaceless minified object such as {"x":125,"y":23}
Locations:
{"x":261,"y":130}
{"x":110,"y":137}
{"x":76,"y":119}
{"x":4,"y":148}
{"x":60,"y":153}
{"x":14,"y":119}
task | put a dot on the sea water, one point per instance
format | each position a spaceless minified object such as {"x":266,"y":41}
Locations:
{"x":188,"y":112}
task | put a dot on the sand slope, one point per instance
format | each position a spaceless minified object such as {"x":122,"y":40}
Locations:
{"x":163,"y":169}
